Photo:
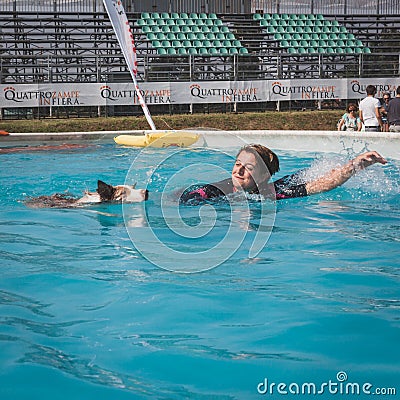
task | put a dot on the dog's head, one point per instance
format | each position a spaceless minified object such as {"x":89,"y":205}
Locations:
{"x":121,"y":193}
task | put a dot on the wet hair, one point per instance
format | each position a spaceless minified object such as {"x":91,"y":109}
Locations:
{"x":371,"y":90}
{"x":270,"y":159}
{"x":351,"y":105}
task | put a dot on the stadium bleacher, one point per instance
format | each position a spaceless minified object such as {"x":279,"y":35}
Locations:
{"x":61,"y":46}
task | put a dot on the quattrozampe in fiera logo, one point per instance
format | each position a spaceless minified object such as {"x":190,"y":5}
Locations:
{"x":340,"y":385}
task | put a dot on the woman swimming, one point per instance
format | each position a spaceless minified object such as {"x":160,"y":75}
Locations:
{"x":252,"y":171}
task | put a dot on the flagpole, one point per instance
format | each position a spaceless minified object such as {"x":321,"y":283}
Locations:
{"x":123,"y":32}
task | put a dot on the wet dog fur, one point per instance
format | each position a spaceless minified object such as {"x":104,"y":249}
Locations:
{"x":105,"y":193}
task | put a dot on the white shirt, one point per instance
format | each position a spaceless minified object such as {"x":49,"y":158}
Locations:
{"x":368,"y":107}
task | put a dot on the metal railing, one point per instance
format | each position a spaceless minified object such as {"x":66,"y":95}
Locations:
{"x":326,"y":7}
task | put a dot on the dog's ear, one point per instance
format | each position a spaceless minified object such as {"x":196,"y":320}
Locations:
{"x":105,"y":191}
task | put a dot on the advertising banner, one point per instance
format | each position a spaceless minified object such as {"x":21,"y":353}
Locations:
{"x":157,"y":93}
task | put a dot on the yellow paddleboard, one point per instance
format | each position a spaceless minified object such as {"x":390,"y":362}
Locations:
{"x":159,"y":139}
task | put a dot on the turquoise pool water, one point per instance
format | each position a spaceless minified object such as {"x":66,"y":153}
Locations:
{"x":84,"y":315}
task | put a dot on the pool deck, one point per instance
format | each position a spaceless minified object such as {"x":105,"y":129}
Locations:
{"x":387,"y":143}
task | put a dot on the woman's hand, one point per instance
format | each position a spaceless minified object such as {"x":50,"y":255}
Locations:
{"x":366,"y":159}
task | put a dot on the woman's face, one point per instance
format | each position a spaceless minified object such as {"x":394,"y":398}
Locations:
{"x":246,"y":173}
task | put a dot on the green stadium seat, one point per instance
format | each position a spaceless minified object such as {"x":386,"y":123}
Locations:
{"x":213,"y":51}
{"x":161,"y":36}
{"x":319,"y":17}
{"x":294,"y":43}
{"x":293,"y":17}
{"x":350,"y":36}
{"x":150,"y":22}
{"x":318,"y":23}
{"x":296,"y":36}
{"x":216,"y":43}
{"x":285,"y":36}
{"x":330,"y":43}
{"x":314,"y":36}
{"x":243,"y":50}
{"x":190,"y":35}
{"x":227,"y":43}
{"x":141,"y":22}
{"x":335,"y":29}
{"x":276,"y":17}
{"x":170,"y":36}
{"x":285,"y":43}
{"x":302,"y":17}
{"x":291,"y":23}
{"x":182,"y":51}
{"x":271,"y":30}
{"x":326,"y":22}
{"x":290,"y":29}
{"x":183,"y":15}
{"x":155,"y":15}
{"x":267,"y":17}
{"x":202,"y":51}
{"x":156,"y":43}
{"x":210,"y":36}
{"x":195,"y":29}
{"x":291,"y":50}
{"x":171,"y":51}
{"x":321,"y":50}
{"x":146,"y":29}
{"x":306,"y":36}
{"x":299,"y":29}
{"x":236,"y":43}
{"x":329,"y":50}
{"x":214,"y":29}
{"x":175,"y":29}
{"x":280,"y":29}
{"x":189,"y":22}
{"x":205,"y":29}
{"x":333,"y":36}
{"x":311,"y":50}
{"x":169,"y":21}
{"x":193,"y":16}
{"x":212,"y":16}
{"x":223,"y":51}
{"x":161,"y":51}
{"x":222,"y":36}
{"x":316,"y":29}
{"x":165,"y":15}
{"x":282,"y":22}
{"x":175,"y":15}
{"x":285,"y":16}
{"x":176,"y":44}
{"x":145,"y":15}
{"x":187,"y":44}
{"x":181,"y":36}
{"x":200,"y":36}
{"x":342,"y":36}
{"x":203,"y":16}
{"x":191,"y":50}
{"x":185,"y":29}
{"x":316,"y":43}
{"x":339,"y":50}
{"x":348,"y":50}
{"x":164,"y":28}
{"x":301,"y":50}
{"x":311,"y":17}
{"x":224,"y":29}
{"x":343,"y":29}
{"x":151,"y":36}
{"x":233,"y":50}
{"x":324,"y":36}
{"x":257,"y":17}
{"x":279,"y":36}
{"x":358,"y":50}
{"x":366,"y":50}
{"x":303,"y":43}
{"x":166,"y":44}
{"x":350,"y":43}
{"x":340,"y":43}
{"x":206,"y":43}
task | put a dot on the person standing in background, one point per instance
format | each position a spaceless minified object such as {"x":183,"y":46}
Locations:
{"x":370,"y":113}
{"x":385,"y":105}
{"x":394,"y":112}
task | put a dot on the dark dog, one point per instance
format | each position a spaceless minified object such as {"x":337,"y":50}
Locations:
{"x":104,"y":193}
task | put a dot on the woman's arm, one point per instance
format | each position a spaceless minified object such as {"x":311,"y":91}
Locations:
{"x":359,"y":125}
{"x":340,"y":175}
{"x":341,"y":122}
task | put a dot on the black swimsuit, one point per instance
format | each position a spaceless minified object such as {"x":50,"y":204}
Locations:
{"x":285,"y":188}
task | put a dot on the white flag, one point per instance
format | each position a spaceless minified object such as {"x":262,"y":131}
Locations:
{"x":124,"y":34}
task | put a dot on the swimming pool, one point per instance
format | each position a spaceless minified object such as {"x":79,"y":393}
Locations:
{"x":85,"y":315}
